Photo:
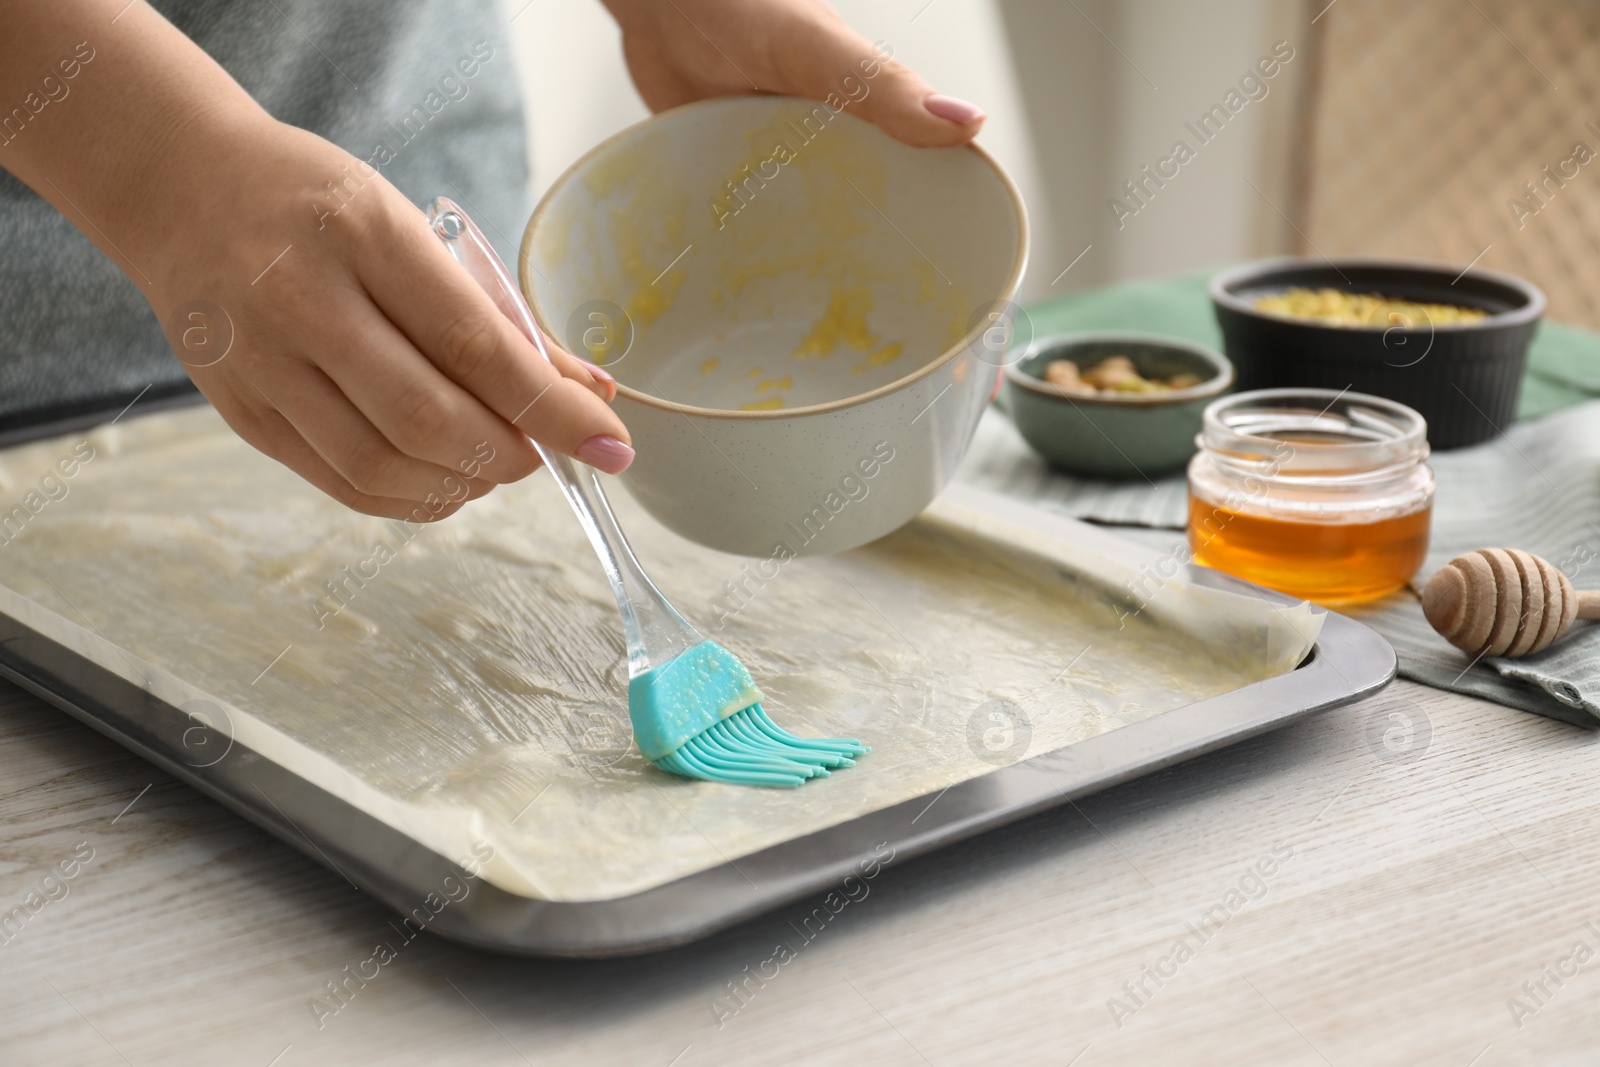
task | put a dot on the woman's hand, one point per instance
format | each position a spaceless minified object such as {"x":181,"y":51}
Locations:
{"x":687,"y":50}
{"x":353,"y":348}
{"x":362,"y":355}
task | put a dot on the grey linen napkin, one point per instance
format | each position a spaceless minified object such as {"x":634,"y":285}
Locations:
{"x":1535,"y":487}
{"x":1000,"y":461}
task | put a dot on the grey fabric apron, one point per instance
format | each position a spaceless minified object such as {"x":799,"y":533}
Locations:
{"x":76,"y":336}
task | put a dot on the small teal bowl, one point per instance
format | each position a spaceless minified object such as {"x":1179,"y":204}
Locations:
{"x":1114,"y":435}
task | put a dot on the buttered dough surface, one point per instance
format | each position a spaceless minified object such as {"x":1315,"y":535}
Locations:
{"x":466,"y":681}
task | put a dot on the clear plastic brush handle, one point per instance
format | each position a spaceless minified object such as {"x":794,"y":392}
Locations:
{"x":654,"y":630}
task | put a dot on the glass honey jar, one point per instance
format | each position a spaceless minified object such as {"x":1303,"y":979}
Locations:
{"x":1320,"y":494}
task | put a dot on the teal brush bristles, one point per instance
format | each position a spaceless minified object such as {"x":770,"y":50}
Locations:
{"x":699,"y":715}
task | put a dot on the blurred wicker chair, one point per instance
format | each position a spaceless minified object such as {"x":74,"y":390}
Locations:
{"x":1423,"y":121}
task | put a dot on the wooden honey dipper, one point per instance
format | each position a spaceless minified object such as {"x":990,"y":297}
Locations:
{"x":1504,"y":602}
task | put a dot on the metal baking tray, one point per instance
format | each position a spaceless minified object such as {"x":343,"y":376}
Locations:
{"x":1349,"y":662}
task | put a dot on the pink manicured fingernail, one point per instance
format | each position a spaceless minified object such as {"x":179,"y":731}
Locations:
{"x":952,"y":109}
{"x":595,"y":370}
{"x":606,"y":453}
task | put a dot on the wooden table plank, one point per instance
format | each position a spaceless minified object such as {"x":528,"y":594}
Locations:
{"x":1408,"y":902}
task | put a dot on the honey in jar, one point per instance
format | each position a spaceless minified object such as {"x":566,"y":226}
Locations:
{"x":1322,"y":495}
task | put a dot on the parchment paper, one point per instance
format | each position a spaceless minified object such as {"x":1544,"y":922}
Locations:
{"x":468,"y":685}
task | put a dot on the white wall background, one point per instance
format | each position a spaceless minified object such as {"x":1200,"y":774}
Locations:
{"x":1194,"y":54}
{"x":1080,"y":95}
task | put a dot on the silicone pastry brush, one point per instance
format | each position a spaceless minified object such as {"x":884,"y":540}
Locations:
{"x":694,"y":707}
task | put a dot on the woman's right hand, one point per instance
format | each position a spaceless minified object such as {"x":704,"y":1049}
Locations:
{"x":362,"y":355}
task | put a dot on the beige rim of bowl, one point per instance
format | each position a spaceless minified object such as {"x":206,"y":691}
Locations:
{"x":525,"y":254}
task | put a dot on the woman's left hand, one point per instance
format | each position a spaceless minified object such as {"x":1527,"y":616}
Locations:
{"x":687,"y":50}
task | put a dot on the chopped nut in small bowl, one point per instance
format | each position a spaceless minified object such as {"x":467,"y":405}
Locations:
{"x":1113,"y":405}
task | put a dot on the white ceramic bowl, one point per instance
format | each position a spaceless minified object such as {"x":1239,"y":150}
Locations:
{"x":801,"y":314}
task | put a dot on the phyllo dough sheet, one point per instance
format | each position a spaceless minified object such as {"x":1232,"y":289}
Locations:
{"x":466,"y":683}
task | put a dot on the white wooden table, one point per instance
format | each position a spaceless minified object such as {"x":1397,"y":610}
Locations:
{"x":1420,"y":895}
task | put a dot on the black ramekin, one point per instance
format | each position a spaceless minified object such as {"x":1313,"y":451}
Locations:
{"x":1463,"y":378}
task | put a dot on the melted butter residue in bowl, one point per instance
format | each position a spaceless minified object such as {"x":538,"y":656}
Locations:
{"x":788,"y":218}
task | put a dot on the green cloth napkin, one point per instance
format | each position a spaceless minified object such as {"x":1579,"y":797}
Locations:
{"x":1563,"y":361}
